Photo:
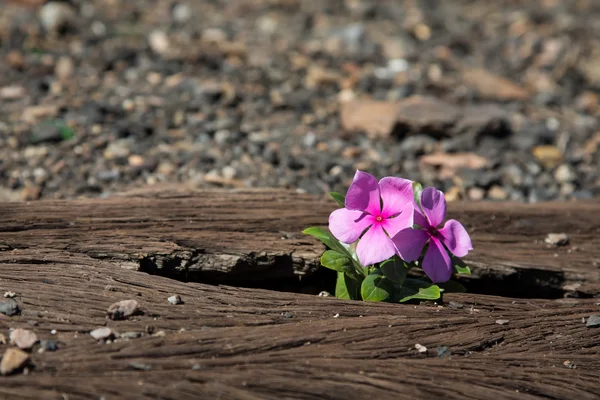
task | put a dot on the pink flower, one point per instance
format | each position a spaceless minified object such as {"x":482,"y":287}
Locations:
{"x":379,"y":209}
{"x":410,"y":242}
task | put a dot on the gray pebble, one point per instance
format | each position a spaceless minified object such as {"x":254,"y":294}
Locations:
{"x":102,"y":333}
{"x":56,"y":15}
{"x":49,"y":345}
{"x":175,"y":299}
{"x":557,"y":239}
{"x":443,"y":351}
{"x":593,"y":321}
{"x":456,"y":305}
{"x":9,"y":307}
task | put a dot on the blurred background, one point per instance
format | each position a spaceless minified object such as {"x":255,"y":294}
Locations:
{"x":487,"y":100}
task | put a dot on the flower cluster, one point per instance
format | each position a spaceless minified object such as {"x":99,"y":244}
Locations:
{"x":385,"y":228}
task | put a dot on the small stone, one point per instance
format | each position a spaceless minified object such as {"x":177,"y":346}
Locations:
{"x":454,"y":161}
{"x":175,"y":299}
{"x":102,"y":333}
{"x":492,"y":86}
{"x":64,"y":68}
{"x":13,"y":360}
{"x":456,"y":305}
{"x":23,"y":338}
{"x":287,"y":314}
{"x":375,"y":118}
{"x":140,"y":366}
{"x":557,"y":239}
{"x":56,"y":16}
{"x":443,"y":352}
{"x":181,"y":13}
{"x":548,"y":156}
{"x":497,"y":193}
{"x":593,"y":321}
{"x":16,"y":59}
{"x":130,"y":335}
{"x":12,"y":92}
{"x":476,"y":194}
{"x":48,"y":345}
{"x":569,"y":364}
{"x":324,"y":294}
{"x":123,"y":309}
{"x":159,"y":42}
{"x":10,"y":295}
{"x":9,"y":307}
{"x":502,"y":321}
{"x":564,"y":173}
{"x":135,"y":160}
{"x":420,"y":348}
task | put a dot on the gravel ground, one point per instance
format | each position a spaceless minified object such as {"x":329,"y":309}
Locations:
{"x":484,"y":99}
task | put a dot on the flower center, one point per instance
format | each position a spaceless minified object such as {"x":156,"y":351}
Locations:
{"x":379,"y":218}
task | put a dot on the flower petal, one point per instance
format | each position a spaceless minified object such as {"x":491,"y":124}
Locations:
{"x":436,"y":262}
{"x":396,"y":193}
{"x":409,"y":243}
{"x":363,"y":194}
{"x":434,"y":206}
{"x":456,"y":238}
{"x":401,"y":221}
{"x":348,"y":225}
{"x":375,"y":246}
{"x":420,"y":220}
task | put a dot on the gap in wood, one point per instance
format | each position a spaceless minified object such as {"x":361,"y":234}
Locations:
{"x":524,"y":283}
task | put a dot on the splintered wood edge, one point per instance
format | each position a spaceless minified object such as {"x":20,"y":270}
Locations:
{"x":255,"y":234}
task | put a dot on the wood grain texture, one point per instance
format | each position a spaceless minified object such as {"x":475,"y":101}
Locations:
{"x":227,"y":342}
{"x":252,"y":235}
{"x":68,"y":261}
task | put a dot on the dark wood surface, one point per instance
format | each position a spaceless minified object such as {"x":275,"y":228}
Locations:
{"x":68,"y":261}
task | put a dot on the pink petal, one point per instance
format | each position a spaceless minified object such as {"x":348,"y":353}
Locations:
{"x":375,"y":246}
{"x":456,"y":238}
{"x":434,"y":205}
{"x":420,"y":220}
{"x":348,"y":225}
{"x":436,"y":262}
{"x":401,"y":221}
{"x":396,"y":193}
{"x":363,"y":194}
{"x":410,"y":243}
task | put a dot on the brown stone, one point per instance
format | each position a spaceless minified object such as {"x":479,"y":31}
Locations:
{"x":491,"y":86}
{"x":23,"y":338}
{"x":375,"y":118}
{"x":123,"y":309}
{"x":13,"y":360}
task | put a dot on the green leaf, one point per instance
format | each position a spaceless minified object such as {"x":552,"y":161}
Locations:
{"x":460,"y":267}
{"x":417,"y":189}
{"x":347,"y":288}
{"x":66,"y":132}
{"x":452,"y":287}
{"x":339,"y":198}
{"x":376,"y":287}
{"x":417,"y":289}
{"x":395,"y":270}
{"x":336,"y":261}
{"x":327,"y":238}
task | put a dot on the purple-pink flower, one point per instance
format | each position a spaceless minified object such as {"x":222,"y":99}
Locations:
{"x":379,"y":210}
{"x":410,"y":242}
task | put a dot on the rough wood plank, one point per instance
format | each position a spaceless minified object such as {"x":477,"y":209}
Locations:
{"x":236,"y":343}
{"x":252,"y":235}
